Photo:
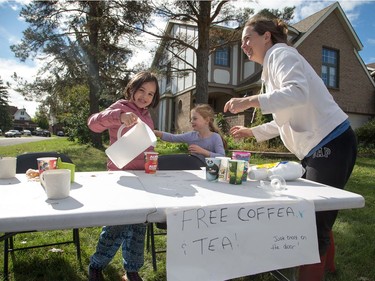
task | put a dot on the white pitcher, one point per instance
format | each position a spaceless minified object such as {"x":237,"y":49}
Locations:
{"x":131,"y":144}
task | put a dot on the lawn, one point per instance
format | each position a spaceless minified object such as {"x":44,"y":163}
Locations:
{"x":355,"y":246}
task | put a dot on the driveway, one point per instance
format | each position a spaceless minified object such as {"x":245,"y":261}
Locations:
{"x":12,"y":141}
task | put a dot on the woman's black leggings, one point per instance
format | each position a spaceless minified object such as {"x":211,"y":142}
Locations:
{"x":331,"y":165}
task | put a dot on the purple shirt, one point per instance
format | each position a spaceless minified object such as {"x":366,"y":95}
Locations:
{"x":214,"y":143}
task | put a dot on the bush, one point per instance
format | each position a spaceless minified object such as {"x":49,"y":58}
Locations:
{"x":366,"y":134}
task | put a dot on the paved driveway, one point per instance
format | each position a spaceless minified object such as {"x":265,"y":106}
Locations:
{"x":12,"y":141}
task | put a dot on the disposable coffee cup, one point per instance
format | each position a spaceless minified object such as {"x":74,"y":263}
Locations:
{"x":46,"y":163}
{"x":235,"y":168}
{"x":223,"y":170}
{"x":212,"y":168}
{"x":56,"y":183}
{"x":151,"y":162}
{"x":8,"y":167}
{"x":242,"y":155}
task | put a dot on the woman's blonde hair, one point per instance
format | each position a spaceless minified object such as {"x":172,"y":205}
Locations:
{"x":207,"y":112}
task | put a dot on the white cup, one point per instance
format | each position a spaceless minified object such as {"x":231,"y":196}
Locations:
{"x":8,"y":167}
{"x":56,"y":183}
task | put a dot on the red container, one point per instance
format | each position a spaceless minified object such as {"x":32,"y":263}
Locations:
{"x":151,"y":162}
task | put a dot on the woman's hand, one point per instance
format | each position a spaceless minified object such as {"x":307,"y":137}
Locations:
{"x":241,"y":132}
{"x":193,"y":148}
{"x":236,"y":105}
{"x":128,"y":118}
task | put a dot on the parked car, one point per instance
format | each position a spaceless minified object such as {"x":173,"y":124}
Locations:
{"x":60,"y":134}
{"x":26,"y":133}
{"x":42,"y":133}
{"x":13,"y":134}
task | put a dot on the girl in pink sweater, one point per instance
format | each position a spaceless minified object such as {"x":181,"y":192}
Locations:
{"x":141,"y":93}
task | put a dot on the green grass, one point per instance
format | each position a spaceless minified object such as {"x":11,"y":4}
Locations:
{"x":354,"y":229}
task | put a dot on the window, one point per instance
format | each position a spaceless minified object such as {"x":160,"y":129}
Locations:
{"x":222,"y":56}
{"x":330,"y":67}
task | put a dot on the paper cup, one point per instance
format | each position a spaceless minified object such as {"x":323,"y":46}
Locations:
{"x":212,"y":168}
{"x":223,"y":171}
{"x":235,"y":168}
{"x":46,"y":163}
{"x":151,"y":162}
{"x":8,"y":167}
{"x":242,"y":155}
{"x":56,"y":183}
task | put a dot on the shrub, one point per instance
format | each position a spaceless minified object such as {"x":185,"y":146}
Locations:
{"x":366,"y":137}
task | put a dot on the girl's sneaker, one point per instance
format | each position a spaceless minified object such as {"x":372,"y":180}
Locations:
{"x":131,"y":276}
{"x":95,"y":274}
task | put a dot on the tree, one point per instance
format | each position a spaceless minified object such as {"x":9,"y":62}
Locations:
{"x":206,"y":15}
{"x":6,"y":120}
{"x":83,"y":42}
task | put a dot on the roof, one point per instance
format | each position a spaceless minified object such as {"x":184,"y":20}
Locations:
{"x":309,"y":24}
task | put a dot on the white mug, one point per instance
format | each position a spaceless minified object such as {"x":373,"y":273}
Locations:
{"x":8,"y":167}
{"x":56,"y":183}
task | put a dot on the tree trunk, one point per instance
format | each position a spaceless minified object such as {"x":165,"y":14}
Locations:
{"x":93,"y":21}
{"x":204,"y":23}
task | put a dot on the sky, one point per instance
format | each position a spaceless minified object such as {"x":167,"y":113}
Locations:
{"x":360,"y":14}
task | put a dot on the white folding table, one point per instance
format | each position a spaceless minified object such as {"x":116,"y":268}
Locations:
{"x":114,"y":198}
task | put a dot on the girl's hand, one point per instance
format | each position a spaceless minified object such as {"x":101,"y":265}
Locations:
{"x":241,"y":132}
{"x":193,"y":148}
{"x":128,"y":118}
{"x":158,"y":133}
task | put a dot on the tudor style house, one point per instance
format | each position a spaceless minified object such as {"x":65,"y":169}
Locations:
{"x":326,"y":39}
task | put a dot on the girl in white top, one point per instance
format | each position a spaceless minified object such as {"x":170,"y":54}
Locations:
{"x":305,"y":116}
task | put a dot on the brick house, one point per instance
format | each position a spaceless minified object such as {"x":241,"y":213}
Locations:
{"x":320,"y":37}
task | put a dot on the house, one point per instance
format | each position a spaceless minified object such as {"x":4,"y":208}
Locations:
{"x":371,"y":70}
{"x":325,"y":34}
{"x":21,"y":119}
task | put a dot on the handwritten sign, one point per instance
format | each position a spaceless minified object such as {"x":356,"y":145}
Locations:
{"x":229,"y":241}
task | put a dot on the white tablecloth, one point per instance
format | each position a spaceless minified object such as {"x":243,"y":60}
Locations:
{"x":111,"y":198}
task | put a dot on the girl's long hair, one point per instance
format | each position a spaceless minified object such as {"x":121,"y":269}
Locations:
{"x":206,"y":111}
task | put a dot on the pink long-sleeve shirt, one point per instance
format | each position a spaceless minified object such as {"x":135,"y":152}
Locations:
{"x":109,"y":119}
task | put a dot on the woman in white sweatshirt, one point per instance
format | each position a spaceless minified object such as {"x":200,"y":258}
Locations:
{"x":305,"y":116}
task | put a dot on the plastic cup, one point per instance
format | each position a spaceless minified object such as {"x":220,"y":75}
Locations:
{"x":68,"y":166}
{"x":151,"y":162}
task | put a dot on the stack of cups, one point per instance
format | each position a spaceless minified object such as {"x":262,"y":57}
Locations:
{"x":151,"y":162}
{"x":245,"y":156}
